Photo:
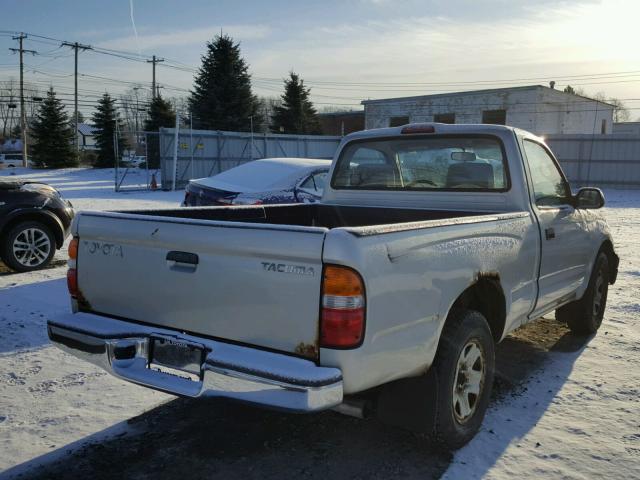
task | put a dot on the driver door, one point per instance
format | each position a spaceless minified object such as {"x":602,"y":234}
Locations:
{"x":564,"y":240}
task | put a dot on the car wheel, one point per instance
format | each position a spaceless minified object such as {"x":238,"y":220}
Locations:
{"x":28,"y":246}
{"x":465,"y":365}
{"x":584,"y":316}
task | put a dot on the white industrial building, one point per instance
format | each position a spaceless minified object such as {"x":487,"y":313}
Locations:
{"x":536,"y":108}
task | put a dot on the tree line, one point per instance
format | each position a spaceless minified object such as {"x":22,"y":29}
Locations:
{"x":221,"y":99}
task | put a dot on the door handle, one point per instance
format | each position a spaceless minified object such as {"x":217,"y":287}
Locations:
{"x":182,"y":261}
{"x":550,"y":233}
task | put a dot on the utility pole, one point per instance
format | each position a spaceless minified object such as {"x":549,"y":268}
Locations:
{"x":76,"y":46}
{"x":23,"y":112}
{"x":135,"y":90}
{"x":153,"y":82}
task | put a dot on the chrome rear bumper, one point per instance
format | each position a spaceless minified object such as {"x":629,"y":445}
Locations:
{"x":232,"y":371}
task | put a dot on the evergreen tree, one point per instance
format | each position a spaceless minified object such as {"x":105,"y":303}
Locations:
{"x":222,"y":97}
{"x":160,"y":115}
{"x":52,"y":134}
{"x":296,"y":114}
{"x":104,"y":119}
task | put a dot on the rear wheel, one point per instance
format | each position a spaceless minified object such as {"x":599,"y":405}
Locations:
{"x":465,"y":365}
{"x":28,"y":246}
{"x":584,"y":316}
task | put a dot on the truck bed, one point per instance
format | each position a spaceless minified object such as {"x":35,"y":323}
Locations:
{"x":209,"y":271}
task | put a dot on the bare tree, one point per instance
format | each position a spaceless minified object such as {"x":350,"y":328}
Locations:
{"x":620,"y":112}
{"x":133,"y":105}
{"x":267,"y":107}
{"x":33,"y":97}
{"x":8,"y":105}
{"x":336,"y":108}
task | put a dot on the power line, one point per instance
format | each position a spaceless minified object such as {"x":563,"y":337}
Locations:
{"x":267,"y":83}
{"x":175,"y":64}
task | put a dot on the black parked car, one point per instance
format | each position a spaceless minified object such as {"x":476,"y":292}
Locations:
{"x":34,"y":221}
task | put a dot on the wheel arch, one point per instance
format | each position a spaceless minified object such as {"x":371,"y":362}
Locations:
{"x":614,"y":260}
{"x":37,"y":215}
{"x":486,"y":296}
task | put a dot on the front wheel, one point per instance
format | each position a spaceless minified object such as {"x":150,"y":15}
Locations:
{"x":465,"y":365}
{"x":28,"y":246}
{"x":584,"y":316}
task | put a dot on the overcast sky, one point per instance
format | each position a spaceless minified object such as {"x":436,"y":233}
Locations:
{"x":443,"y":45}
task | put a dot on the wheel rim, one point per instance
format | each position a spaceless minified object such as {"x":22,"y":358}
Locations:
{"x":469,"y":381}
{"x":599,"y":295}
{"x":31,"y":247}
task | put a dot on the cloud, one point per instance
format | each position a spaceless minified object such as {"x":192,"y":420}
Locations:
{"x":196,"y":36}
{"x":443,"y":48}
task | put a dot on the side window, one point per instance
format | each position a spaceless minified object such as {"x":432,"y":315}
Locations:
{"x":315,"y":183}
{"x":549,"y":187}
{"x":445,"y":118}
{"x":398,"y":121}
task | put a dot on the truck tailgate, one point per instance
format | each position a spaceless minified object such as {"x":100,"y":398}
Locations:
{"x":251,"y":283}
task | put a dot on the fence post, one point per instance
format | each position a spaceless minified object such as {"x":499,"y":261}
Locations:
{"x":115,"y":157}
{"x":175,"y":153}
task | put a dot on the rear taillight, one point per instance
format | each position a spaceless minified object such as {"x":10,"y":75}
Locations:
{"x":72,"y":273}
{"x":73,"y":248}
{"x":343,"y":308}
{"x":72,"y":282}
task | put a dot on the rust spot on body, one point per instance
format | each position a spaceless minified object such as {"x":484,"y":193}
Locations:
{"x":307,"y":350}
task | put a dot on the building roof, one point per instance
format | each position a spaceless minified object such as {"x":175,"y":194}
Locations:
{"x":480,"y":92}
{"x":87,"y":129}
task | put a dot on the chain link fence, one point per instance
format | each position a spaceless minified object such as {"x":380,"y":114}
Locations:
{"x":202,"y":153}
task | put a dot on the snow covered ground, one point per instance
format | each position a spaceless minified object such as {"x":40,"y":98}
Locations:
{"x":576,"y":416}
{"x":44,"y":394}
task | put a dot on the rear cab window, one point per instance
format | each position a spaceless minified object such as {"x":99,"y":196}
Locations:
{"x":445,"y":162}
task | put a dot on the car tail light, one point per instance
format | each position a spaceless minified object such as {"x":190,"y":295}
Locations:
{"x":72,"y":282}
{"x":343,"y":308}
{"x":225,"y":200}
{"x":419,"y":128}
{"x":246,"y":201}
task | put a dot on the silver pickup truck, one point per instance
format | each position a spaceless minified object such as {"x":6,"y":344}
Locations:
{"x":431,"y":243}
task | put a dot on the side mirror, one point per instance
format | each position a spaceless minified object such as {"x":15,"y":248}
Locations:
{"x":589,"y":197}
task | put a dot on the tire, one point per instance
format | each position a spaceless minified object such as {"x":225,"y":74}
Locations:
{"x":466,"y":336}
{"x":28,"y":246}
{"x":584,"y":316}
